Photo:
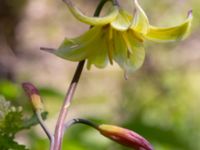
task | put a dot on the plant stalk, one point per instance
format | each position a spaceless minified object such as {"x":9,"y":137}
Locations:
{"x":64,"y":109}
{"x":44,"y":127}
{"x":60,"y":125}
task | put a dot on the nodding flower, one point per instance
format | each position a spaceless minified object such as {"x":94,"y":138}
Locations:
{"x":117,"y":37}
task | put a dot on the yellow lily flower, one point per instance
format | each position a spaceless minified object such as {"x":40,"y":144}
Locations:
{"x":119,"y":36}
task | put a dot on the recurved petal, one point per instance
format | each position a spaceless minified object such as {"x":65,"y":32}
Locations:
{"x":77,"y":49}
{"x":129,"y":51}
{"x":93,"y":20}
{"x":172,"y":33}
{"x":140,"y":22}
{"x":122,"y":21}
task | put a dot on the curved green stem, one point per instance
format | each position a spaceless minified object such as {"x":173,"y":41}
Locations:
{"x":44,"y":127}
{"x":82,"y":121}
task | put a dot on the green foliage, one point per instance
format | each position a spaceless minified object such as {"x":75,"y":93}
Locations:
{"x":164,"y":108}
{"x":9,"y":89}
{"x":49,"y":92}
{"x":12,"y":122}
{"x":8,"y":143}
{"x":158,"y":109}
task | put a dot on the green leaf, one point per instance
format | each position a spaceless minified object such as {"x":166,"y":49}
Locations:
{"x":9,"y":89}
{"x":7,"y":143}
{"x":15,"y":117}
{"x":9,"y":114}
{"x":172,"y":33}
{"x":12,"y":122}
{"x":50,"y":92}
{"x":29,"y":122}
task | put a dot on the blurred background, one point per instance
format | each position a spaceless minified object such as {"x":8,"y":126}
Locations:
{"x":160,"y":101}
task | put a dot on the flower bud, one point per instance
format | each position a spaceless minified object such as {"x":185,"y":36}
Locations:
{"x":34,"y":96}
{"x":125,"y":137}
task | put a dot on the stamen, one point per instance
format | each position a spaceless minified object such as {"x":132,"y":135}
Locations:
{"x":138,"y":36}
{"x":110,"y":33}
{"x":128,"y":54}
{"x":127,"y":42}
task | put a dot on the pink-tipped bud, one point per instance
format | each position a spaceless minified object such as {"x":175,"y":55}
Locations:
{"x":34,"y":96}
{"x":125,"y":137}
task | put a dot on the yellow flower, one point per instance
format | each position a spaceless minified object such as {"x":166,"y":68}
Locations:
{"x":119,"y":36}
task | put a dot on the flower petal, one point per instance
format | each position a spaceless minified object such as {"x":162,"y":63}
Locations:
{"x":120,"y":49}
{"x":140,"y":22}
{"x":131,"y":58}
{"x":123,"y":21}
{"x":93,"y":20}
{"x":172,"y":33}
{"x":77,"y":49}
{"x":99,"y":52}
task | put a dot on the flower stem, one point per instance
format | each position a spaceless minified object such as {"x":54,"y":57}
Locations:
{"x":63,"y":112}
{"x":60,"y":125}
{"x":80,"y":121}
{"x":44,"y":127}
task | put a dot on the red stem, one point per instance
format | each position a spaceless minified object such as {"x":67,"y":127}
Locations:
{"x":64,"y":110}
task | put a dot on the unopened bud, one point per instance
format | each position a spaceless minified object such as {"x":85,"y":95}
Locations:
{"x":34,"y":96}
{"x":125,"y":137}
